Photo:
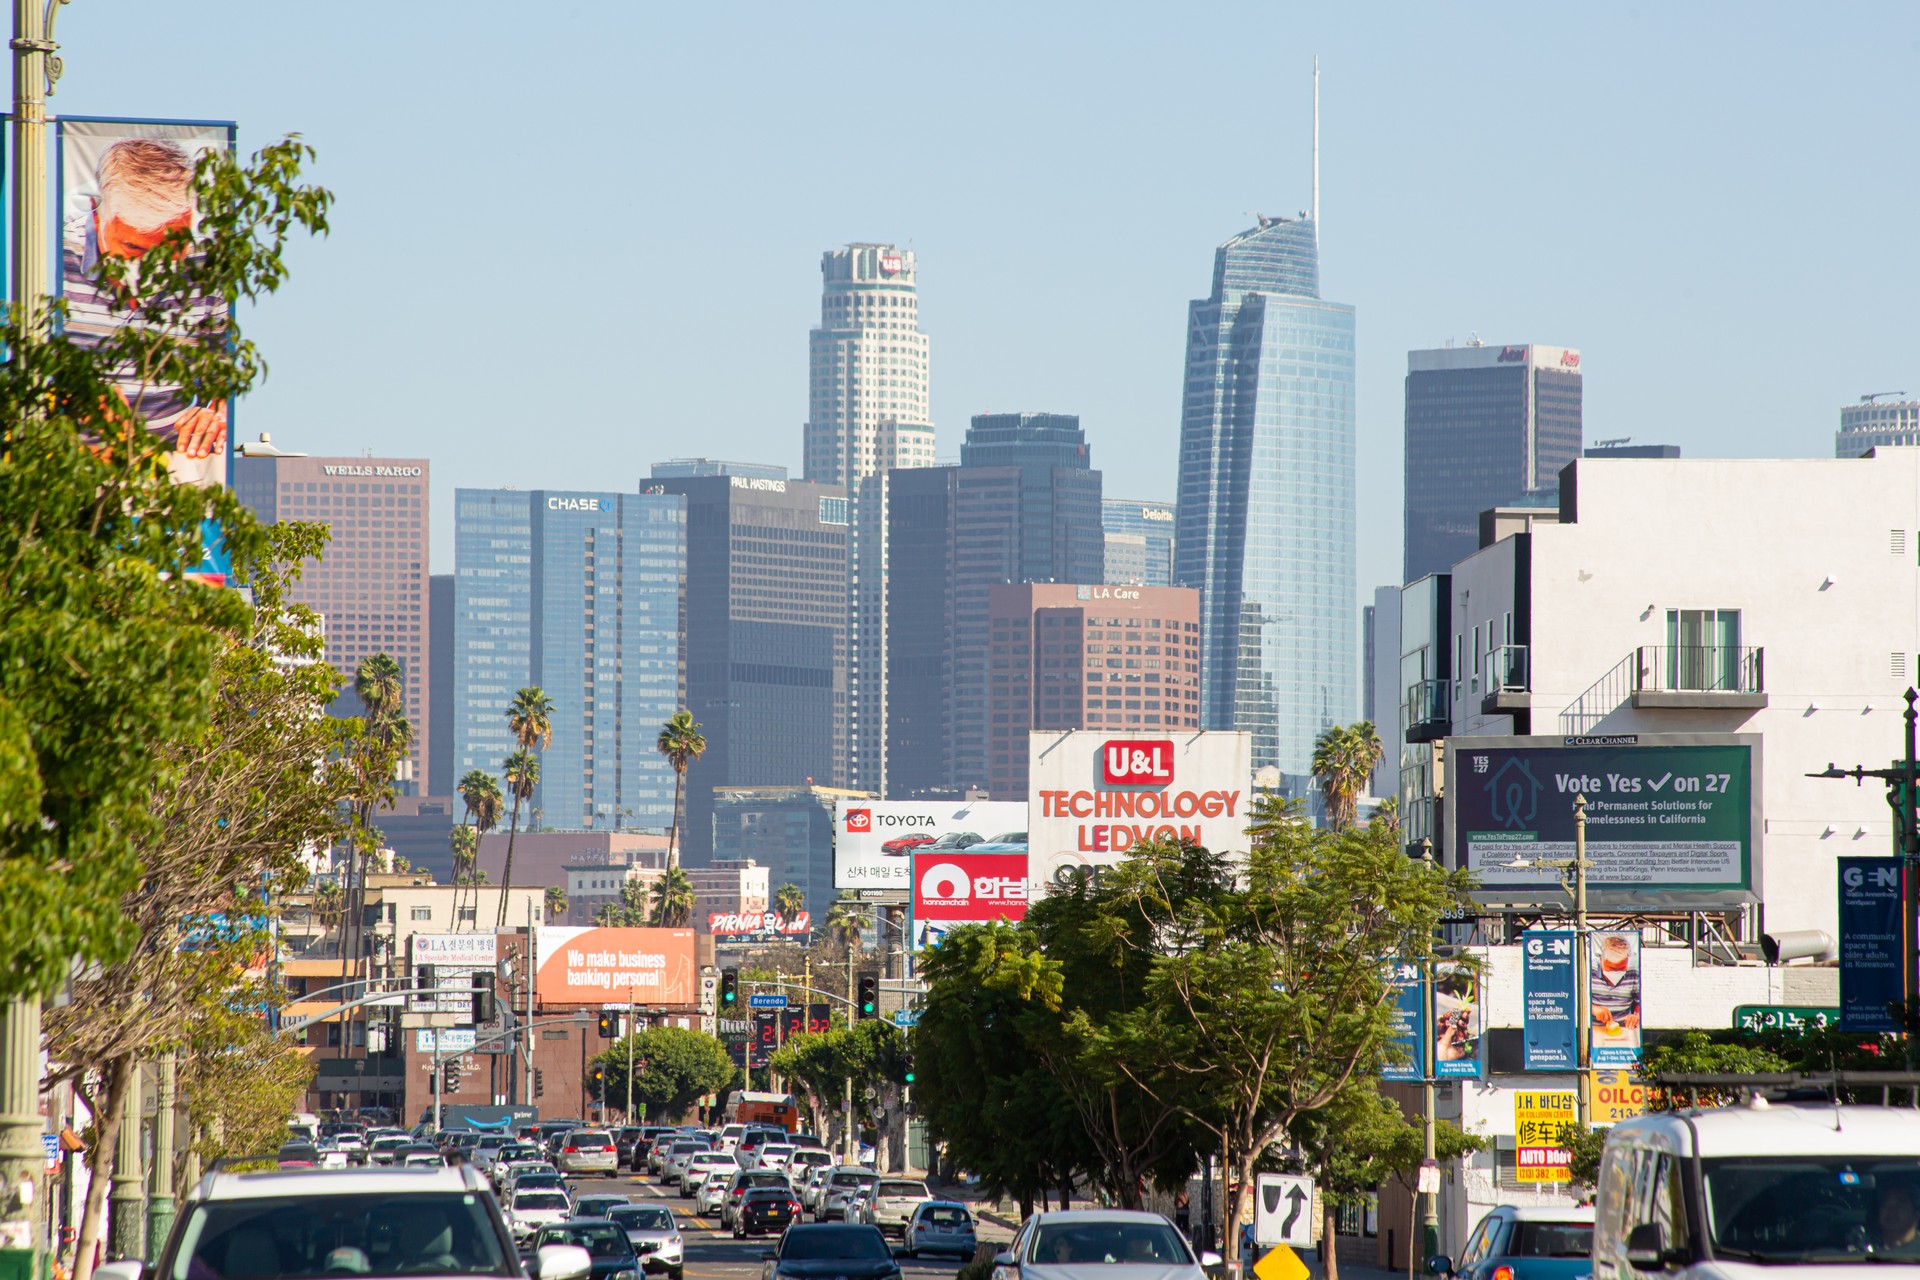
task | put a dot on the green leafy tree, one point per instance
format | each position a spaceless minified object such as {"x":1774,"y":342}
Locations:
{"x":821,"y":1064}
{"x":682,"y":743}
{"x":673,"y":1067}
{"x":846,"y":920}
{"x":240,"y":1083}
{"x":673,"y":899}
{"x":530,"y":717}
{"x":789,"y":902}
{"x":633,"y":909}
{"x":555,"y":901}
{"x":1344,"y":758}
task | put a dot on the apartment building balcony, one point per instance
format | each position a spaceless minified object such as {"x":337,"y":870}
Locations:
{"x":1699,"y":678}
{"x":1429,"y":710}
{"x":1508,"y":681}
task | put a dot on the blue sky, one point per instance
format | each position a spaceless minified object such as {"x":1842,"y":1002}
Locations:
{"x":574,"y":238}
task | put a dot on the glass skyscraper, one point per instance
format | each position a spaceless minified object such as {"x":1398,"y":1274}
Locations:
{"x":1266,"y":522}
{"x":1139,"y":541}
{"x":583,"y":595}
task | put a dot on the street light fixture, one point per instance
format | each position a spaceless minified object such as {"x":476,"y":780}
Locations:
{"x":1575,"y":875}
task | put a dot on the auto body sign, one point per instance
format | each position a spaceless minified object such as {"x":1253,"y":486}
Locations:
{"x":874,"y":840}
{"x":1093,"y":796}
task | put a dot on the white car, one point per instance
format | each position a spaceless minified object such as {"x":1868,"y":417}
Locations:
{"x":815,"y":1187}
{"x":730,"y":1137}
{"x":843,"y":1184}
{"x":705,"y":1166}
{"x":530,"y":1210}
{"x":802,"y":1164}
{"x":1081,"y":1244}
{"x":773,"y":1156}
{"x":680,"y":1157}
{"x":503,"y":1173}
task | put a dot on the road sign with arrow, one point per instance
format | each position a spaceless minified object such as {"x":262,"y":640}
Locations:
{"x":1283,"y":1209}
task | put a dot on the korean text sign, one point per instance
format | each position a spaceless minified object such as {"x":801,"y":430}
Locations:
{"x":1538,"y":1117}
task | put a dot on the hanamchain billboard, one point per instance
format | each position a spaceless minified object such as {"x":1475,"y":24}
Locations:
{"x":1092,"y":796}
{"x":874,"y":840}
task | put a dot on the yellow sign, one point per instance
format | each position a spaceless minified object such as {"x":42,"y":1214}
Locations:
{"x":1280,"y":1263}
{"x":1617,"y":1096}
{"x":1538,"y":1115}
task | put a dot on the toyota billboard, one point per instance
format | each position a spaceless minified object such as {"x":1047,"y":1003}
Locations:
{"x":874,"y":840}
{"x":1093,"y":796}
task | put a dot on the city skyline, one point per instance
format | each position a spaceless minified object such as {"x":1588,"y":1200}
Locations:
{"x":1064,"y":296}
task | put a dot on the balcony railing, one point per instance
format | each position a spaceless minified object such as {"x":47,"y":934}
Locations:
{"x":1429,"y":710}
{"x":1507,"y":669}
{"x":1699,"y":676}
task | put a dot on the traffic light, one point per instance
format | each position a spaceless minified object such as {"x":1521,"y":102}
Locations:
{"x":606,"y":1026}
{"x":597,"y":1082}
{"x":539,"y":1083}
{"x":482,"y":997}
{"x":452,"y":1069}
{"x":907,"y":1068}
{"x":869,"y":996}
{"x":729,"y":989}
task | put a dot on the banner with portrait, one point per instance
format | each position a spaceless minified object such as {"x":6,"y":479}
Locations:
{"x":1457,"y":1025}
{"x":1614,"y":999}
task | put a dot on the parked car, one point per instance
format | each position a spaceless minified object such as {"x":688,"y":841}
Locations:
{"x":837,"y":1249}
{"x":587,"y":1151}
{"x":891,"y":1202}
{"x":597,"y":1206}
{"x":765,"y":1211}
{"x":613,"y":1256}
{"x":727,"y":1201}
{"x":842,"y":1183}
{"x":940,"y":1226}
{"x":1515,"y":1242}
{"x":534,"y":1208}
{"x":655,"y":1236}
{"x":1094,"y":1244}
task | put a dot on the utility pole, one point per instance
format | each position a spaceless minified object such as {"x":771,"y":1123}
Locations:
{"x":1582,"y":976}
{"x":126,"y":1221}
{"x":527,"y":1054}
{"x":849,"y":1144}
{"x":160,"y":1192}
{"x":631,"y":1028}
{"x":1429,"y":1200}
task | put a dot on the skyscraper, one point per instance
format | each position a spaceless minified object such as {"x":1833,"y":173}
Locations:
{"x":1139,"y":541}
{"x":582,"y":595}
{"x":1061,"y":539}
{"x":867,"y":413}
{"x":766,"y":636}
{"x":1877,"y":421}
{"x":370,"y":588}
{"x":1485,"y":427}
{"x":1266,"y":522}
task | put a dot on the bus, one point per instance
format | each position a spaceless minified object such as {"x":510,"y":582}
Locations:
{"x":775,"y":1110}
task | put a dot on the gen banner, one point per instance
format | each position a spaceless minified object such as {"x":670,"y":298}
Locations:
{"x":1550,"y":1040}
{"x":1456,"y":1022}
{"x":1615,"y":999}
{"x":1409,"y":1023}
{"x":1870,"y":943}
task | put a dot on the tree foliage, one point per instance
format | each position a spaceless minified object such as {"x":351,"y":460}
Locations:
{"x":672,"y":1067}
{"x":631,"y":910}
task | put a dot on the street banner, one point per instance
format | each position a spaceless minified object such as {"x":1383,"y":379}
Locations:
{"x":123,"y":186}
{"x":1092,"y":796}
{"x":1538,"y":1117}
{"x":1549,"y":1040}
{"x":1871,"y":943}
{"x":653,"y":968}
{"x":1672,"y":819}
{"x":1456,"y":1022}
{"x":874,"y":840}
{"x":1409,"y":1033}
{"x":969,"y":888}
{"x":1614,"y":999}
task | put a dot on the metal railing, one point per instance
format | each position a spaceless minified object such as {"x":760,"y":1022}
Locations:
{"x":1660,"y":668}
{"x":1429,"y":702}
{"x":1507,"y":670}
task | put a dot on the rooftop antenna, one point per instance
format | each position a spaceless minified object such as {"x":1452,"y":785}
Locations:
{"x":1316,"y":147}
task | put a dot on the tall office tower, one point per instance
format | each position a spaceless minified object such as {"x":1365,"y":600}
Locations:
{"x":953,"y":533}
{"x":766,"y":636}
{"x":867,"y":413}
{"x":583,"y":596}
{"x":1485,"y":427}
{"x":1139,"y":541}
{"x":1266,"y":522}
{"x":1087,"y":656}
{"x":1061,"y":538}
{"x":370,"y":587}
{"x":1876,"y":421}
{"x":440,"y":777}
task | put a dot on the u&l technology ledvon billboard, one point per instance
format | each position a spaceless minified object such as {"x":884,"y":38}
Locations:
{"x":1673,"y":820}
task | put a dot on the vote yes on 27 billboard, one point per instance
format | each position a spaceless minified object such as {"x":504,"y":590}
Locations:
{"x":1673,"y":820}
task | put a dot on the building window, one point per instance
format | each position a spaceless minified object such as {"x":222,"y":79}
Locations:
{"x":1703,"y":649}
{"x":421,"y":913}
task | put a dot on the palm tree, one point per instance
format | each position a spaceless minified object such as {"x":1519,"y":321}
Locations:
{"x":530,"y":716}
{"x":381,"y":688}
{"x":846,"y":921}
{"x":1386,"y":816}
{"x":556,"y":902}
{"x":522,"y":772}
{"x":1344,"y":757}
{"x":681,"y":743}
{"x":673,"y":899}
{"x":789,"y":902}
{"x":480,"y":791}
{"x":466,"y":854}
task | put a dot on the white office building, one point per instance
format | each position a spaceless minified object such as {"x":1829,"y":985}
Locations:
{"x":1876,"y":422}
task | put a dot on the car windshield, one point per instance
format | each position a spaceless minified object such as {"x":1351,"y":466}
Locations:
{"x":946,"y":1216}
{"x":1551,"y":1240}
{"x":609,"y":1241}
{"x":1833,"y":1209}
{"x":643,"y":1217}
{"x":588,"y":1137}
{"x":856,"y":1244}
{"x":540,"y":1200}
{"x":1092,"y":1243}
{"x":360,"y":1235}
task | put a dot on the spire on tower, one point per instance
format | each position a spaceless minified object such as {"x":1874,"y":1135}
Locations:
{"x":1316,"y":147}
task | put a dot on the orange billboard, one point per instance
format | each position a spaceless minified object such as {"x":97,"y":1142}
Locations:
{"x":615,"y":967}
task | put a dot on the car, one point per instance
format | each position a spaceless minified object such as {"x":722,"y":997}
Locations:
{"x":765,"y":1211}
{"x":597,"y":1206}
{"x":419,"y":1155}
{"x":1524,"y":1242}
{"x":504,"y":1172}
{"x":649,"y":1134}
{"x":663,"y":1151}
{"x":891,"y":1202}
{"x":587,"y":1151}
{"x":539,"y":1180}
{"x":655,"y":1236}
{"x":298,"y":1155}
{"x":729,"y":1196}
{"x":374,"y":1221}
{"x":386,"y":1148}
{"x":623,"y":1140}
{"x":752,"y":1140}
{"x":729,"y":1137}
{"x":1093,"y":1244}
{"x":904,"y":844}
{"x":802,"y":1163}
{"x":680,"y":1157}
{"x":613,"y":1255}
{"x":815,"y":1186}
{"x":1794,"y":1190}
{"x":841,"y":1184}
{"x":705,"y":1165}
{"x":953,"y":841}
{"x":940,"y":1226}
{"x":532,"y":1208}
{"x":773,"y":1155}
{"x":837,"y":1249}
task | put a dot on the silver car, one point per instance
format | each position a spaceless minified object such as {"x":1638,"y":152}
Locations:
{"x":842,"y":1184}
{"x":587,"y":1151}
{"x":891,"y":1202}
{"x":1099,"y":1244}
{"x":940,"y":1226}
{"x":655,"y":1237}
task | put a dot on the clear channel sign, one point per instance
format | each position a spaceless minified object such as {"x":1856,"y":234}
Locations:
{"x":1672,"y":819}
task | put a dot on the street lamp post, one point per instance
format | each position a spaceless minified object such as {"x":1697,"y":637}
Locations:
{"x":1576,"y":879}
{"x":1430,"y":1199}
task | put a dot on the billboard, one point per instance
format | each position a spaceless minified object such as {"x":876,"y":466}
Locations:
{"x":1673,"y":820}
{"x":1538,"y":1117}
{"x":1550,"y":1036}
{"x":597,"y":966}
{"x":1872,"y":943}
{"x":1092,"y":796}
{"x":874,"y":840}
{"x":758,"y":923}
{"x":969,"y":887}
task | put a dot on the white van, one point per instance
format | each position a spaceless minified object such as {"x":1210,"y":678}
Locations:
{"x":1797,"y":1190}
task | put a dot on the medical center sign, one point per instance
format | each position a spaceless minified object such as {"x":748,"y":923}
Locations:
{"x":1093,"y":796}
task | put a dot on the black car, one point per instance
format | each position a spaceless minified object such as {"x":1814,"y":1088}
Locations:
{"x":604,"y":1240}
{"x":636,"y":1157}
{"x":765,"y":1210}
{"x":831,"y":1250}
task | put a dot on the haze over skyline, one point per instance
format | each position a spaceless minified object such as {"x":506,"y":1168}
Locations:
{"x":596,"y":232}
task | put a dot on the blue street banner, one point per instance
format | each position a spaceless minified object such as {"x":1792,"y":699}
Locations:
{"x":1870,"y":943}
{"x":1456,"y":1022}
{"x":1409,"y":1023}
{"x":1549,"y":1040}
